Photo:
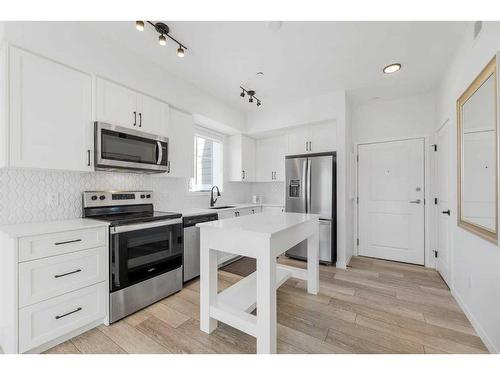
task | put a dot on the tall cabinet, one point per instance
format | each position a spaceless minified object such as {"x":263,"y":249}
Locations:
{"x":270,"y":159}
{"x":241,"y":158}
{"x":312,"y":139}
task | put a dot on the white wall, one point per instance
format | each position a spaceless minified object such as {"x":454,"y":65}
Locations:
{"x":408,"y":117}
{"x":475,"y":262}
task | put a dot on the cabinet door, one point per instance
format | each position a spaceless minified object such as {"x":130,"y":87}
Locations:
{"x":248,"y":158}
{"x":324,"y":137}
{"x":116,"y":105}
{"x":278,"y":152}
{"x":297,"y":141}
{"x":181,"y":144}
{"x":50,"y":114}
{"x":264,"y":160}
{"x":152,"y":115}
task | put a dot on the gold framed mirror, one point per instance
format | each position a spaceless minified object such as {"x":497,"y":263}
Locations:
{"x":477,"y":120}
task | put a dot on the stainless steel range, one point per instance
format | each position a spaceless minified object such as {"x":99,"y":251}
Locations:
{"x":145,"y":248}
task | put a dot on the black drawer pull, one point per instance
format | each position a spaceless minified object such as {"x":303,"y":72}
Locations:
{"x":65,"y":242}
{"x":71,"y":312}
{"x":67,"y":273}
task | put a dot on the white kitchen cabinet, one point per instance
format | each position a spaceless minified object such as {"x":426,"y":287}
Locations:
{"x":119,"y":105}
{"x":181,"y":144}
{"x":50,"y":121}
{"x":312,"y":139}
{"x":270,"y":159}
{"x":241,"y":158}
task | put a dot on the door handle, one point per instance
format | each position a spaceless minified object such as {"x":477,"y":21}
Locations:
{"x":418,"y":201}
{"x":135,"y":118}
{"x":447,"y":212}
{"x":140,"y":119}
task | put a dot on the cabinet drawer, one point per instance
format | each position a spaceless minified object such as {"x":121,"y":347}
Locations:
{"x":45,"y":321}
{"x":49,"y":277}
{"x":59,"y":243}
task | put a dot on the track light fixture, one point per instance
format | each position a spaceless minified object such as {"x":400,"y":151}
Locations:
{"x":162,"y":29}
{"x":251,"y":96}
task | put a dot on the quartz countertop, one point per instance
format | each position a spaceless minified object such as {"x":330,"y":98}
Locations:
{"x":264,"y":224}
{"x":34,"y":229}
{"x":206,"y":210}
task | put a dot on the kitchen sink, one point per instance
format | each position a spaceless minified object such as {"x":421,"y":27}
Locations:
{"x":221,"y":207}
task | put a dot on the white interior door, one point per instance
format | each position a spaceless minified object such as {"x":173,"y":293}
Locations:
{"x":391,"y":200}
{"x":443,"y":167}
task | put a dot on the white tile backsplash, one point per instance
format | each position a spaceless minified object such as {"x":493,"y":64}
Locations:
{"x":24,"y":193}
{"x":272,"y":192}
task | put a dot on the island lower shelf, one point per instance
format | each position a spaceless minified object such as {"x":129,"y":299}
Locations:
{"x":235,"y":303}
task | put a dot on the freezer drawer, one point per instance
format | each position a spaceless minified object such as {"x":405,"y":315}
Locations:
{"x":326,"y":246}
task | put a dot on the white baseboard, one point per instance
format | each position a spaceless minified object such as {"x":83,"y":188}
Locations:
{"x":475,"y":324}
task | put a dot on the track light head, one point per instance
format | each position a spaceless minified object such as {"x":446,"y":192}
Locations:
{"x":242,"y":94}
{"x":162,"y":40}
{"x":139,"y":25}
{"x":250,"y":100}
{"x":180,"y":51}
{"x":259,"y":103}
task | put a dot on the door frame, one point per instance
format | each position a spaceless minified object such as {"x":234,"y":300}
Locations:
{"x":429,"y":260}
{"x":436,"y":213}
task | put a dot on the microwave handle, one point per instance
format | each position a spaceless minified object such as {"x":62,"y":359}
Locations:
{"x":159,"y":152}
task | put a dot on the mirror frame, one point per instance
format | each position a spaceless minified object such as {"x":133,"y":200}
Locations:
{"x":481,"y":231}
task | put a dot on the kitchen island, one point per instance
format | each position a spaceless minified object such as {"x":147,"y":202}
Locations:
{"x":263,"y":237}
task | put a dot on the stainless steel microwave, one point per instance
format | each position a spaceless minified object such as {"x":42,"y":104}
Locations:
{"x":119,"y":148}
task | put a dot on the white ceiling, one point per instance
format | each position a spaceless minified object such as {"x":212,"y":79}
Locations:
{"x":301,"y":59}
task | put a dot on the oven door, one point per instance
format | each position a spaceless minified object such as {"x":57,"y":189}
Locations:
{"x":117,"y":147}
{"x":142,"y":251}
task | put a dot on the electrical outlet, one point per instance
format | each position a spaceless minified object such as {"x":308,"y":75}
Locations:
{"x":53,"y":199}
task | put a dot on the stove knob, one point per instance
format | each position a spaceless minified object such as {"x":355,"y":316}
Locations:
{"x":148,"y":196}
{"x":143,"y":196}
{"x":93,"y":197}
{"x":102,"y":197}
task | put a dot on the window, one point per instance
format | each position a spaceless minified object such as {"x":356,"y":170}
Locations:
{"x":207,"y":161}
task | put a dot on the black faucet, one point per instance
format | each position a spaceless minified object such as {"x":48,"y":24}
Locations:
{"x":212,"y":200}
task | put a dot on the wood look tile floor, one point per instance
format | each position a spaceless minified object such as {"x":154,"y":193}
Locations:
{"x":374,"y":306}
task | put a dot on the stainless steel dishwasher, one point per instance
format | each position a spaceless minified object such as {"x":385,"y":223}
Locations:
{"x":192,"y":244}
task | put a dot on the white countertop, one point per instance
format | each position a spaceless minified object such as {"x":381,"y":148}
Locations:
{"x":263,"y":224}
{"x":206,"y":210}
{"x":33,"y":229}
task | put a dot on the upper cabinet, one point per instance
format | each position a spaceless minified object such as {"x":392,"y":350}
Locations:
{"x":312,"y":139}
{"x":241,"y":158}
{"x":270,"y":159}
{"x":181,"y":144}
{"x":50,"y":123}
{"x":118,"y":105}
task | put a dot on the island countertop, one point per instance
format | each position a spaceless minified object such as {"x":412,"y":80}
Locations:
{"x":264,"y":224}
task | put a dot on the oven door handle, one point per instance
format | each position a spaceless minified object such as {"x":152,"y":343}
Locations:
{"x":159,"y":152}
{"x":151,"y":224}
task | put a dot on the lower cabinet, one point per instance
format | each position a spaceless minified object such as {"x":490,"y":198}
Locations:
{"x":50,"y":296}
{"x":273,"y":209}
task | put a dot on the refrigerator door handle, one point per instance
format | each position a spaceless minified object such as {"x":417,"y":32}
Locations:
{"x":308,"y":199}
{"x":305,"y":185}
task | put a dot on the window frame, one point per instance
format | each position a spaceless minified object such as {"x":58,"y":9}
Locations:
{"x":213,"y":136}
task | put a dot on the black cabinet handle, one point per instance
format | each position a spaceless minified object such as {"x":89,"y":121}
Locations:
{"x":71,"y":312}
{"x":67,"y":273}
{"x":140,"y":119}
{"x":65,"y":242}
{"x":88,"y":158}
{"x":135,"y":118}
{"x":447,"y":212}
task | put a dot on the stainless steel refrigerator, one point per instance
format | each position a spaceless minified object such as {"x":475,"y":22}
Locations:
{"x":311,"y":188}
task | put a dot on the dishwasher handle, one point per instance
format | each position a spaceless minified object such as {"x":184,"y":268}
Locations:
{"x":191,"y":221}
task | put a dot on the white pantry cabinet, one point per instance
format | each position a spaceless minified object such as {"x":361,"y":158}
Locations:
{"x":270,"y":159}
{"x":241,"y":158}
{"x":181,"y":144}
{"x":50,"y":123}
{"x":313,"y":139}
{"x":119,"y":105}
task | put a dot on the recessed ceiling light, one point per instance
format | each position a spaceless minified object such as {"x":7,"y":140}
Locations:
{"x":392,"y":68}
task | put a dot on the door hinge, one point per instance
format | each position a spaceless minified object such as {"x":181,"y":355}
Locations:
{"x":357,"y":200}
{"x":435,"y":147}
{"x":435,"y":253}
{"x":357,"y":241}
{"x":435,"y":201}
{"x":357,"y":158}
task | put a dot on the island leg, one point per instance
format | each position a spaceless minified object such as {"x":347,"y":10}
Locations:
{"x":313,"y":262}
{"x":266,"y":304}
{"x":208,"y":284}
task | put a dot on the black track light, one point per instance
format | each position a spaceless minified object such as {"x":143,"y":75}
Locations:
{"x":164,"y":31}
{"x":259,"y":103}
{"x":251,"y":96}
{"x":180,"y":51}
{"x":162,"y":40}
{"x":250,"y":100}
{"x":242,"y":94}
